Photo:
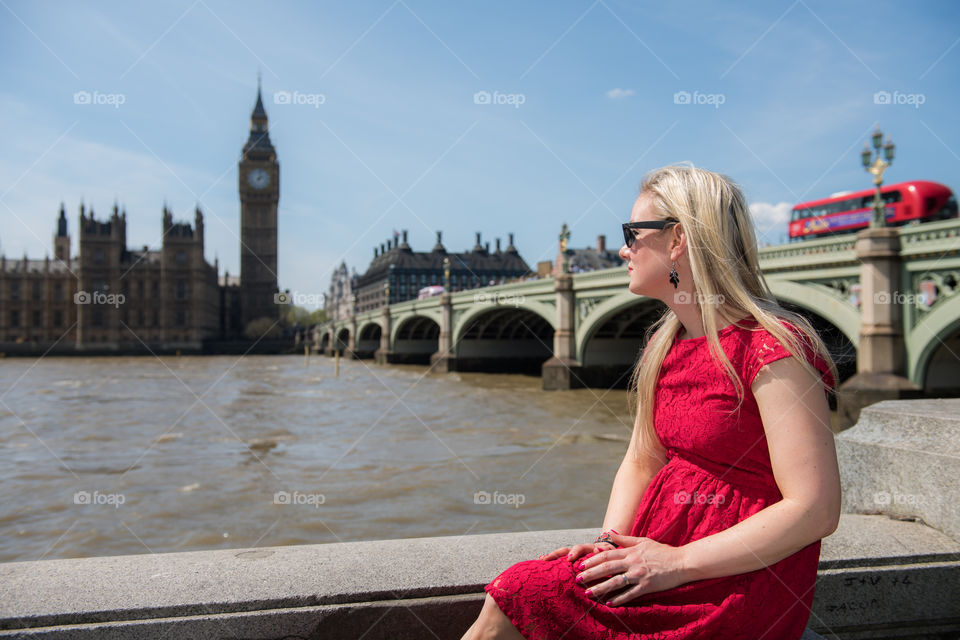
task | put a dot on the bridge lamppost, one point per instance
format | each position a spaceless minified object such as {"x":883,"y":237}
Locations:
{"x":877,"y":166}
{"x":446,"y":274}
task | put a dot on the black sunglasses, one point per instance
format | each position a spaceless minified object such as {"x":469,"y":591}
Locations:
{"x":628,"y":227}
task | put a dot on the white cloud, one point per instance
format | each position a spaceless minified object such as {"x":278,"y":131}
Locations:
{"x":616,"y":94}
{"x":770,"y":221}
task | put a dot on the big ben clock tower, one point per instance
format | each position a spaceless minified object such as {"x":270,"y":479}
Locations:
{"x":259,"y":194}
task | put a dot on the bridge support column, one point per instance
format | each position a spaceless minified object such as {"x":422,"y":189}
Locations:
{"x":351,"y":350}
{"x":562,"y":370}
{"x":880,"y":355}
{"x":382,"y":355}
{"x":443,"y":361}
{"x":332,"y":344}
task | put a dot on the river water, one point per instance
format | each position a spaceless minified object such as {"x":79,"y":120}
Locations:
{"x":110,"y":456}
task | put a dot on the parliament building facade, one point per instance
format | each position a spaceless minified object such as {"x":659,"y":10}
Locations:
{"x":110,"y":297}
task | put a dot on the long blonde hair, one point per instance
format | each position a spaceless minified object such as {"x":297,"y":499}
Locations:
{"x":722,"y":251}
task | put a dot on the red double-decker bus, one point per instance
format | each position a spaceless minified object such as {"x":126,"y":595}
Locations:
{"x":904,"y":202}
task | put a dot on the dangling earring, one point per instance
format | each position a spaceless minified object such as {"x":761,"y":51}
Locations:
{"x":674,"y":278}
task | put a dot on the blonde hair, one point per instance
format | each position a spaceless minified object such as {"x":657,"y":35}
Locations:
{"x":722,"y":251}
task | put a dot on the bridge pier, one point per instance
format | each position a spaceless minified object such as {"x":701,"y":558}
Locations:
{"x":881,"y":357}
{"x":351,"y":349}
{"x":562,"y":371}
{"x":382,"y":355}
{"x":444,"y":361}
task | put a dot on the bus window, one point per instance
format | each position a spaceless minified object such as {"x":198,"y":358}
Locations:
{"x":891,"y":197}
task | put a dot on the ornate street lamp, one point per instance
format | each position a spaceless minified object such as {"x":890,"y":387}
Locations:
{"x":446,"y":274}
{"x":877,"y":167}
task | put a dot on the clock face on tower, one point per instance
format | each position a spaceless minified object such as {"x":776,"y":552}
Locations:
{"x":258,"y":179}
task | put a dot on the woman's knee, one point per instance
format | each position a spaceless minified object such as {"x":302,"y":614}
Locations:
{"x":493,"y":623}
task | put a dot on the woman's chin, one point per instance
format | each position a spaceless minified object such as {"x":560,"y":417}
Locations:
{"x":637,"y":289}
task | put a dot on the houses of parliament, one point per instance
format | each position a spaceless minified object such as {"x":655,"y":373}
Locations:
{"x":111,"y":297}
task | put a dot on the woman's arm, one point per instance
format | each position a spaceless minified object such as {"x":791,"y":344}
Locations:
{"x":796,"y":421}
{"x":631,"y":482}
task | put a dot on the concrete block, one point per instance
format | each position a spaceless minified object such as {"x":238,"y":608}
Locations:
{"x":902,"y":458}
{"x":879,"y":578}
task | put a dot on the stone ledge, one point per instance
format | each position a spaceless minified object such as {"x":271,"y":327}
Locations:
{"x":902,"y":459}
{"x":876,"y":574}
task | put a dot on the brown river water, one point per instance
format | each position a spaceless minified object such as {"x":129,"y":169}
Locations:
{"x":111,"y":456}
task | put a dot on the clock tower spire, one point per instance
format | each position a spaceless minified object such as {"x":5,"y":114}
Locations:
{"x":259,"y":184}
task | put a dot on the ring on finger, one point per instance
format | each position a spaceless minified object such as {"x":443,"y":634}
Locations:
{"x":625,"y":579}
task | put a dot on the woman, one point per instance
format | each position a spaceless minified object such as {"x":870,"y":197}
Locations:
{"x":730,"y":479}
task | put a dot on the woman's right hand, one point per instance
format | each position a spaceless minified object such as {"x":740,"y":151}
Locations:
{"x":576,"y":552}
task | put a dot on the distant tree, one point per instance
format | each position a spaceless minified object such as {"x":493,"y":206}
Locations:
{"x":295,"y":315}
{"x":262,"y":328}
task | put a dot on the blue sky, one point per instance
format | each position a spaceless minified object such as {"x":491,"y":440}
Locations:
{"x":389,"y":134}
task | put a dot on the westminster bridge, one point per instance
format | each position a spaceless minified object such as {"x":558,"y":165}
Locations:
{"x":884,"y":300}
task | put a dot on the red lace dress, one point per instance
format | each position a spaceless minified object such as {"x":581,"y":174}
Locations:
{"x":718,"y":473}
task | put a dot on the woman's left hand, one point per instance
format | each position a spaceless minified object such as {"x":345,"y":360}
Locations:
{"x":641,"y":566}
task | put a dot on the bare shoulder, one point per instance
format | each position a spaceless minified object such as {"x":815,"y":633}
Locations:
{"x":788,"y":385}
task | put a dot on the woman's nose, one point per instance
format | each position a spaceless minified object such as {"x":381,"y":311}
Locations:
{"x":624,"y":252}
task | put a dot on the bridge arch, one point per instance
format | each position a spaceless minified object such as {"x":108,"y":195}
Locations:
{"x":325,"y":337}
{"x":343,"y":339}
{"x":368,"y":339}
{"x":609,"y":340}
{"x":844,"y":317}
{"x":504,"y":338}
{"x":415,"y":338}
{"x":601,"y":314}
{"x":545,"y":311}
{"x":932,"y":344}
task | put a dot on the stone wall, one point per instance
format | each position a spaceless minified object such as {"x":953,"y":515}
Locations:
{"x":879,"y":578}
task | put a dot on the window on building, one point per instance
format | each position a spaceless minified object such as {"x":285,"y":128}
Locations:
{"x":38,"y":319}
{"x":97,"y":317}
{"x":140,"y":318}
{"x":37,"y":290}
{"x":98,"y":256}
{"x":180,"y":290}
{"x":58,"y":319}
{"x":180,"y":318}
{"x":14,"y":290}
{"x":156,"y":318}
{"x":58,"y":291}
{"x":155,"y":290}
{"x":14,"y":318}
{"x":181,"y":257}
{"x":140,"y":289}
